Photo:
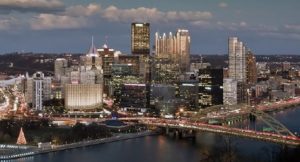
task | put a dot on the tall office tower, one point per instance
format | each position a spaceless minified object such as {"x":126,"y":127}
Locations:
{"x":91,"y":61}
{"x":140,"y":38}
{"x":251,"y":68}
{"x":165,"y":71}
{"x":108,"y":59}
{"x":132,"y":61}
{"x":84,"y":90}
{"x":28,"y":88}
{"x":38,"y":89}
{"x":210,"y":87}
{"x":165,"y":47}
{"x":230,"y":92}
{"x":183,"y":48}
{"x":176,"y":48}
{"x":140,"y":45}
{"x":237,"y":59}
{"x":60,"y":65}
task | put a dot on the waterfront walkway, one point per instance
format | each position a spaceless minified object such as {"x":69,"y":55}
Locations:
{"x":54,"y":148}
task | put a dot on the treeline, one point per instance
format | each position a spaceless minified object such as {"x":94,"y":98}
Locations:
{"x":44,"y":131}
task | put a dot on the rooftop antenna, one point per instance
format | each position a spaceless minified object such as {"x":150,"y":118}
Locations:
{"x":201,"y":59}
{"x":106,"y":39}
{"x":93,"y":41}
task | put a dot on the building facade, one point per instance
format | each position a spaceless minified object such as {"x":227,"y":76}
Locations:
{"x":251,"y":71}
{"x":210,"y":87}
{"x":140,"y":38}
{"x":176,"y":48}
{"x":229,"y":91}
{"x":237,"y":59}
{"x":83,"y":96}
{"x":60,"y":65}
{"x":37,"y":90}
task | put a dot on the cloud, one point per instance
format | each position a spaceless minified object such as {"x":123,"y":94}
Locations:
{"x":243,"y":24}
{"x":281,"y":35}
{"x":115,"y":14}
{"x":51,"y":21}
{"x":233,"y":26}
{"x":7,"y":22}
{"x":83,"y":16}
{"x":201,"y":23}
{"x":223,"y":5}
{"x":44,"y":6}
{"x":73,"y":17}
{"x":292,"y":27}
{"x":80,"y":10}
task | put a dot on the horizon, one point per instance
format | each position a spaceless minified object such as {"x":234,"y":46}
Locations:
{"x":66,"y":26}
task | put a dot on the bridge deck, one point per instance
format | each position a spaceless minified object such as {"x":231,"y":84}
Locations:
{"x":264,"y":136}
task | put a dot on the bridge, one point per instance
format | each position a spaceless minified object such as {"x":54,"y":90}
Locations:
{"x":280,"y":133}
{"x":197,"y":126}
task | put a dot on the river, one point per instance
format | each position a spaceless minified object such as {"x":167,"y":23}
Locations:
{"x":209,"y":146}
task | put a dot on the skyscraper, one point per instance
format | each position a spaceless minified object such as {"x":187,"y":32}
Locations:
{"x":210,"y":87}
{"x":251,"y":68}
{"x":107,"y":57}
{"x":237,"y":72}
{"x":237,"y":59}
{"x":85,"y":89}
{"x":176,"y":48}
{"x":140,"y":38}
{"x":229,"y":91}
{"x":91,"y":61}
{"x":183,"y":48}
{"x":60,"y":65}
{"x":38,"y":89}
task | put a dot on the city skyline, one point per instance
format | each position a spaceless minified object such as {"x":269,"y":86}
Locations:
{"x":67,"y":25}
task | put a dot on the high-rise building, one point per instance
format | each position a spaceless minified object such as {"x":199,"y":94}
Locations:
{"x":286,"y":66}
{"x":210,"y":87}
{"x":165,"y":71}
{"x":133,"y":96}
{"x":37,"y":102}
{"x":229,"y":91}
{"x":175,"y":48}
{"x":91,"y":61}
{"x":251,"y":71}
{"x":188,"y":93}
{"x":237,"y":59}
{"x":140,"y":38}
{"x":108,"y":59}
{"x":132,"y":61}
{"x":183,"y":46}
{"x":60,"y":65}
{"x":38,"y":89}
{"x":83,"y":87}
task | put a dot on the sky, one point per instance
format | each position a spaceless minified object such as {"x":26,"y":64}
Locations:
{"x":63,"y":26}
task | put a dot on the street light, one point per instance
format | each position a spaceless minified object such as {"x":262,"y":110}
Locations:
{"x":181,"y":110}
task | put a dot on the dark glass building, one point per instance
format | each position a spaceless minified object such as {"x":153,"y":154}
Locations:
{"x":133,"y":96}
{"x":210,"y":87}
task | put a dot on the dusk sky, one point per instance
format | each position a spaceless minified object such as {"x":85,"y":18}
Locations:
{"x":266,"y":26}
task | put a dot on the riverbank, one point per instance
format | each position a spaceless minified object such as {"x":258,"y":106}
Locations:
{"x":56,"y":148}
